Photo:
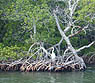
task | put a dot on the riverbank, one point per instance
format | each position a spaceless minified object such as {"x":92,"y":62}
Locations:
{"x":38,"y":66}
{"x":48,"y":65}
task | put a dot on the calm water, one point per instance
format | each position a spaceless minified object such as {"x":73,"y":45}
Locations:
{"x":87,"y":76}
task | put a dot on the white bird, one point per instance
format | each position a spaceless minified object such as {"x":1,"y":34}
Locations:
{"x":53,"y":56}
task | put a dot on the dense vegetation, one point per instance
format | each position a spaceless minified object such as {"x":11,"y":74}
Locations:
{"x":24,"y":22}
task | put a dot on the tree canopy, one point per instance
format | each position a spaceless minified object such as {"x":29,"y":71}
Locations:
{"x":24,"y":22}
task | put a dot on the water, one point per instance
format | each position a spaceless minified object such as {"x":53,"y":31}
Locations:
{"x":87,"y":76}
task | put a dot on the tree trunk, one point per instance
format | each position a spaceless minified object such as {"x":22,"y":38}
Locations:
{"x":70,"y":47}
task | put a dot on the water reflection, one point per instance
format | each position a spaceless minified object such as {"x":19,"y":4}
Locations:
{"x":52,"y":79}
{"x":45,"y":77}
{"x":70,"y":77}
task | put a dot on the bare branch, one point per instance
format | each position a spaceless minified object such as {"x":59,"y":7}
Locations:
{"x":66,"y":51}
{"x":85,"y":46}
{"x":31,"y":47}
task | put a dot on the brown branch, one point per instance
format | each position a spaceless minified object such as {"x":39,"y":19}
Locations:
{"x":76,"y":33}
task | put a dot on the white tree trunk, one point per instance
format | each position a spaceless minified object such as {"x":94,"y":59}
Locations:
{"x":70,"y":47}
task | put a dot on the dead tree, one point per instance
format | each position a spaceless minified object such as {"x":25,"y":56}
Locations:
{"x":69,"y":22}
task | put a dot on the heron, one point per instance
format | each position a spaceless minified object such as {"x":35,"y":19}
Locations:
{"x":53,"y":56}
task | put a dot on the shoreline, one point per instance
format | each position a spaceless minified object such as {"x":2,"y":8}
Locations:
{"x":40,"y":67}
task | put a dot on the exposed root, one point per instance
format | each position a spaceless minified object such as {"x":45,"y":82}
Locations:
{"x":42,"y":66}
{"x":44,"y":62}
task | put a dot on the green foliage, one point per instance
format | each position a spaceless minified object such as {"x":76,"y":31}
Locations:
{"x":74,"y":41}
{"x":17,"y":18}
{"x":13,"y":52}
{"x":30,"y":12}
{"x":85,"y":9}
